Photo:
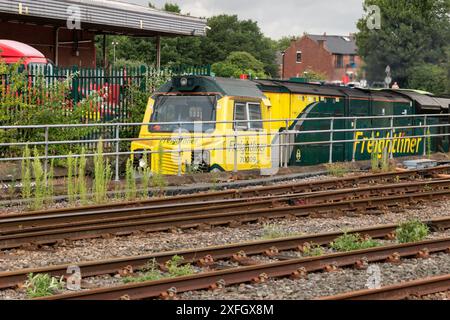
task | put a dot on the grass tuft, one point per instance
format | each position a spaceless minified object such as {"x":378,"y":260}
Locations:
{"x":43,"y":285}
{"x":412,"y":231}
{"x":337,"y":169}
{"x":351,"y":242}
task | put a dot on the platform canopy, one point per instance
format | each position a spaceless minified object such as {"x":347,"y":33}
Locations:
{"x":103,"y":17}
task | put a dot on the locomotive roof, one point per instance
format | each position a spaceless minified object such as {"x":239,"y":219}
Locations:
{"x":326,"y":90}
{"x":223,"y":86}
{"x":424,"y":101}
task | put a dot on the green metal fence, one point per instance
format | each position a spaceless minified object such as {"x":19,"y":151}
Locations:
{"x":111,"y":95}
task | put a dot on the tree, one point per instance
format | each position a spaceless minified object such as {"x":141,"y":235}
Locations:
{"x":312,"y":75}
{"x":238,"y":63}
{"x":429,"y":77}
{"x":284,"y":43}
{"x":172,"y":7}
{"x":229,"y":34}
{"x":413,"y":32}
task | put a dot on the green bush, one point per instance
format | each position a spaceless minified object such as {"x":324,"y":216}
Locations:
{"x":44,"y":102}
{"x":351,"y":242}
{"x":412,"y":231}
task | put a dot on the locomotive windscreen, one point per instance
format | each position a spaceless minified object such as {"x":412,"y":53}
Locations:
{"x":186,"y":112}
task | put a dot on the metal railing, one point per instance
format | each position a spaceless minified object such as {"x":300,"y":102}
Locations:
{"x":226,"y":134}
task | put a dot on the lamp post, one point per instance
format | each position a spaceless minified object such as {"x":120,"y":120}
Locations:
{"x":114,"y":43}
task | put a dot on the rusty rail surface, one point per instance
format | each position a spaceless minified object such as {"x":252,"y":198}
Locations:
{"x":296,"y":268}
{"x":43,"y":230}
{"x":418,"y":288}
{"x":209,"y":255}
{"x":279,"y":189}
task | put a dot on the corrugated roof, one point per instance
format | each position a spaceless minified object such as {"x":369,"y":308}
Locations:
{"x":337,"y":44}
{"x":113,"y":16}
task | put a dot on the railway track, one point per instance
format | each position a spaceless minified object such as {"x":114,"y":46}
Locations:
{"x":295,"y":268}
{"x":207,"y":257}
{"x":272,"y":190}
{"x":418,"y":288}
{"x":49,"y":229}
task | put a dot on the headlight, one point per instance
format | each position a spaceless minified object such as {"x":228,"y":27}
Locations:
{"x":143,"y":164}
{"x":206,"y":157}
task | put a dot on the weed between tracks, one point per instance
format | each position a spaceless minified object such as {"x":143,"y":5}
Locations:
{"x":337,"y":169}
{"x":175,"y":268}
{"x":351,"y":242}
{"x":313,"y":250}
{"x":412,"y":231}
{"x":271,"y":231}
{"x":43,"y":285}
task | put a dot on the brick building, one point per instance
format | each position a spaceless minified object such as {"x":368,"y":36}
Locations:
{"x":46,"y":26}
{"x":335,"y":56}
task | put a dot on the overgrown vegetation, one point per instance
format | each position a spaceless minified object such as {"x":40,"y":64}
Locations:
{"x":313,"y":250}
{"x":37,"y":184}
{"x":151,"y":273}
{"x":146,"y":175}
{"x":26,"y":174}
{"x":337,"y":169}
{"x":43,"y":285}
{"x":351,"y":242}
{"x":271,"y":231}
{"x":175,"y":267}
{"x":82,"y":181}
{"x":412,"y":231}
{"x":71,"y":179}
{"x":130,"y":178}
{"x":102,"y":175}
{"x":37,"y":100}
{"x":40,"y":182}
{"x":380,"y":161}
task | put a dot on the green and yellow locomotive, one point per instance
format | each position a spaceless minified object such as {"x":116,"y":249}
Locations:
{"x":230,"y":124}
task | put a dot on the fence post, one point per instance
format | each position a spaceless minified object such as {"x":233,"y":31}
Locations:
{"x":425,"y":138}
{"x":235,"y":170}
{"x":179,"y":151}
{"x":392,"y":139}
{"x":286,"y":142}
{"x":46,"y":152}
{"x":354,"y":138}
{"x":331,"y":140}
{"x":117,"y":151}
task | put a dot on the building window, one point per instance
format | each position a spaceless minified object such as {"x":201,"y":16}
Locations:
{"x":339,"y":61}
{"x":299,"y":57}
{"x":352,"y":59}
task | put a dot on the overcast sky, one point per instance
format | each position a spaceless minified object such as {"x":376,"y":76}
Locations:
{"x":279,"y":18}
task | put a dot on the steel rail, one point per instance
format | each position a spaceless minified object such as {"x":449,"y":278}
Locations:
{"x":399,"y":291}
{"x":19,"y":237}
{"x":268,"y":247}
{"x":247,"y":193}
{"x":260,"y":272}
{"x":47,"y":222}
{"x":253,"y":192}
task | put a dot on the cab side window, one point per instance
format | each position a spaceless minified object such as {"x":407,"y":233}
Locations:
{"x":255,"y":115}
{"x":248,"y":116}
{"x":240,"y":116}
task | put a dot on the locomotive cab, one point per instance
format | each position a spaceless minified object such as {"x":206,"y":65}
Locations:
{"x":200,"y":124}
